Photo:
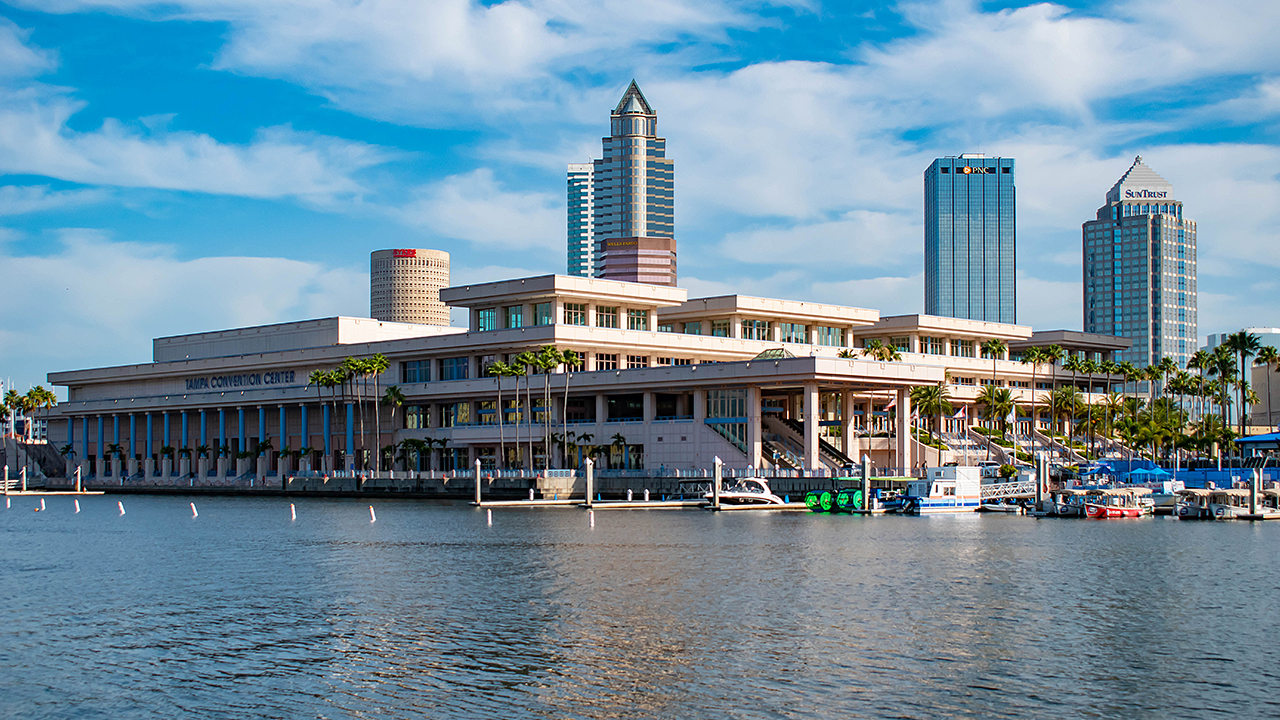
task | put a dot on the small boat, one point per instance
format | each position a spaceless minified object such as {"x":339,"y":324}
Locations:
{"x":999,"y":507}
{"x":1069,"y":503}
{"x":944,"y":490}
{"x":749,"y":491}
{"x":1228,"y":503}
{"x":1118,"y":503}
{"x":1193,"y":504}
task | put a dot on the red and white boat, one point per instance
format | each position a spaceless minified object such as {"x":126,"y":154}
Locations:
{"x":1118,"y":503}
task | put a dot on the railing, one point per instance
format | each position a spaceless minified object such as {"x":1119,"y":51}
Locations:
{"x":1021,"y":488}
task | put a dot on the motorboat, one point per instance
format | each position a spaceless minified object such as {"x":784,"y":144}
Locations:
{"x":1193,"y":504}
{"x":1127,"y":502}
{"x":1228,"y":503}
{"x":747,"y":491}
{"x":944,"y":490}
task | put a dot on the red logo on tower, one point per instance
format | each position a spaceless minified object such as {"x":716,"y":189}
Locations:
{"x":404,"y":253}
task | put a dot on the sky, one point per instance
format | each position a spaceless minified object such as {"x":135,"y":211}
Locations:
{"x":192,"y":165}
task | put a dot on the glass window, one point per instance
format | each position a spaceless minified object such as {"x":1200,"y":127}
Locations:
{"x":756,"y":330}
{"x":606,"y":361}
{"x":793,"y":333}
{"x":637,"y":361}
{"x":720,"y":328}
{"x":452,"y":414}
{"x":637,"y":319}
{"x":606,"y":317}
{"x":453,"y":368}
{"x":693,"y":328}
{"x":415,"y":371}
{"x":575,"y":313}
{"x":514,"y":316}
{"x":932,"y":346}
{"x":487,"y":319}
{"x":962,"y":348}
{"x":666,"y":327}
{"x":415,"y":417}
{"x":543,"y":314}
{"x":487,"y":413}
{"x":831,"y":336}
{"x":901,"y":343}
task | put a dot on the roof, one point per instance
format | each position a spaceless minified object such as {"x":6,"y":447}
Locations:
{"x":1139,"y":176}
{"x":1268,"y":440}
{"x":633,"y":102}
{"x":774,"y":354}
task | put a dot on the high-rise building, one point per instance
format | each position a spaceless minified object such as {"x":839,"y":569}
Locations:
{"x":581,"y":204}
{"x":404,"y":286}
{"x":969,"y":237}
{"x":632,"y":201}
{"x":1140,"y":269}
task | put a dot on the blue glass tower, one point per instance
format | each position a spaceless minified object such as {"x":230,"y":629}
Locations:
{"x":969,"y":237}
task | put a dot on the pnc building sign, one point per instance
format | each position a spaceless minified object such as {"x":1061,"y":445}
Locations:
{"x":976,"y":170}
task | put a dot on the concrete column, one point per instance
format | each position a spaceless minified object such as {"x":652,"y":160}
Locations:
{"x":115,"y":430}
{"x":351,"y":438}
{"x":284,"y":432}
{"x":305,"y":431}
{"x":326,"y":426}
{"x":101,"y":453}
{"x":602,"y":408}
{"x":222,"y":427}
{"x":262,"y":426}
{"x":71,"y":434}
{"x":649,"y":406}
{"x":849,"y":444}
{"x":149,"y":464}
{"x":204,"y":429}
{"x":868,"y":417}
{"x":131,"y":465}
{"x":811,"y":425}
{"x":755,"y":446}
{"x":244,"y":438}
{"x":903,"y":429}
{"x":183,"y":430}
{"x":166,"y":434}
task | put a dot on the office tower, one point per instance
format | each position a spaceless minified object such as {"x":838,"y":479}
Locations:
{"x":404,"y":286}
{"x":1140,"y":269}
{"x":969,"y":237}
{"x":632,"y":216}
{"x":581,"y":204}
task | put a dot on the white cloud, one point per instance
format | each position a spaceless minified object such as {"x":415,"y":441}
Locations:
{"x":20,"y":199}
{"x":101,"y":301}
{"x":859,"y":238}
{"x":18,"y":59}
{"x":474,"y":207}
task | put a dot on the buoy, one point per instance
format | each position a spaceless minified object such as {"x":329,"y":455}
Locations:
{"x":77,"y":506}
{"x":120,"y":503}
{"x":490,"y":517}
{"x":41,"y":503}
{"x":293,"y":513}
{"x":592,"y":515}
{"x":194,"y":514}
{"x":372,"y":518}
{"x":6,"y":503}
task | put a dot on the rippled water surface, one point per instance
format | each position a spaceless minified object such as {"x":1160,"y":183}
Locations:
{"x":431,"y":612}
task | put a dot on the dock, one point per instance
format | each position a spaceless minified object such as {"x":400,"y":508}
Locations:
{"x":52,"y":493}
{"x":785,"y":507}
{"x":526,"y":503}
{"x":641,"y":505}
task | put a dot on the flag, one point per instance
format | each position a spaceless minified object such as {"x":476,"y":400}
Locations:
{"x":893,"y":401}
{"x":961,"y":412}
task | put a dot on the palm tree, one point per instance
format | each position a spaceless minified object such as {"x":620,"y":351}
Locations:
{"x":12,"y":401}
{"x":1090,"y":367}
{"x":524,"y":362}
{"x":499,"y":370}
{"x":548,"y":359}
{"x":994,"y":349}
{"x":355,"y":370}
{"x":1052,"y":355}
{"x":570,"y":359}
{"x":377,"y":365}
{"x":393,"y":398}
{"x":1267,"y":359}
{"x":1034,"y":356}
{"x":932,"y":401}
{"x":620,"y":444}
{"x":1245,"y":345}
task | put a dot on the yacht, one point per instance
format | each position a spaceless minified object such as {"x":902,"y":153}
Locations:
{"x":748,"y":491}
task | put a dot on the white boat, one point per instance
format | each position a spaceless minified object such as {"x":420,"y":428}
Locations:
{"x":748,"y":491}
{"x":1193,"y":504}
{"x":944,"y":490}
{"x":1228,"y":503}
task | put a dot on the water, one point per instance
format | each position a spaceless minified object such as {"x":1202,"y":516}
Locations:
{"x":430,"y":612}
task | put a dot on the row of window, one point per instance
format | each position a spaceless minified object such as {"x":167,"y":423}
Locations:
{"x":419,"y":371}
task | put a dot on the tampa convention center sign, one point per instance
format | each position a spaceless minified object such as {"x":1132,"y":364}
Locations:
{"x":243,"y":380}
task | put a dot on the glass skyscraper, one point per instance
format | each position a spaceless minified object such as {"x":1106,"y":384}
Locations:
{"x":1140,"y":269}
{"x":631,"y":201}
{"x":969,"y":236}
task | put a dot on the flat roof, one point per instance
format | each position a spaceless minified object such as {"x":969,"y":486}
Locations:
{"x":769,"y":308}
{"x":951,"y":326}
{"x":549,"y":286}
{"x":1074,"y":339}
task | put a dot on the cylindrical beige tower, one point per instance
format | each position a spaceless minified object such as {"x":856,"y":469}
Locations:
{"x":404,"y":286}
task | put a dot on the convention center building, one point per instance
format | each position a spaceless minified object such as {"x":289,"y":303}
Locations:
{"x":661,"y":381}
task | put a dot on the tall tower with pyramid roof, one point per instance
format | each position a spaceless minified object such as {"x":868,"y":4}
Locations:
{"x":625,"y":201}
{"x":1140,"y":269}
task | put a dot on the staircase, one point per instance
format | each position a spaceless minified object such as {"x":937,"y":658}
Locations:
{"x":998,"y":453}
{"x":826,"y":451}
{"x":1062,"y":450}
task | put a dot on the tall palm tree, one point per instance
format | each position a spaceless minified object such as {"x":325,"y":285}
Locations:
{"x":524,"y":362}
{"x":548,"y":359}
{"x":1090,"y":368}
{"x":932,"y":401}
{"x":1199,"y":361}
{"x":393,"y":398}
{"x":1053,"y":354}
{"x":1268,"y":358}
{"x":570,"y":359}
{"x":1034,"y":356}
{"x":499,"y":370}
{"x":994,"y":348}
{"x":1245,"y":345}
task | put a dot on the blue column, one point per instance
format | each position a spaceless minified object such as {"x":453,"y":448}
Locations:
{"x":115,"y":422}
{"x":184,"y":429}
{"x":204,"y":429}
{"x":133,"y":433}
{"x":351,"y":435}
{"x":305,"y":430}
{"x":71,"y":431}
{"x":166,"y":442}
{"x":284,"y":435}
{"x":150,"y":444}
{"x":102,"y":453}
{"x":328,"y":446}
{"x":243,"y":439}
{"x":222,"y":427}
{"x":262,"y":426}
{"x":84,"y":430}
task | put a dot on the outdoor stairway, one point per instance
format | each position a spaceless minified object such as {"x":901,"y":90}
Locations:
{"x":780,"y":456}
{"x":1063,"y":451}
{"x":999,"y":454}
{"x":825,"y":448}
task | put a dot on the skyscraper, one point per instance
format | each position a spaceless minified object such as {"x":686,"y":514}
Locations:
{"x":1140,"y":269}
{"x":631,"y":215}
{"x":969,"y":236}
{"x":581,"y":204}
{"x":405,"y":284}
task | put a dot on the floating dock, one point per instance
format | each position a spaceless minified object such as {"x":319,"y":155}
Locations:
{"x":527,"y":503}
{"x":785,"y":507}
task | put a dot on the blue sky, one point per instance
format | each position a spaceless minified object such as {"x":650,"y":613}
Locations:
{"x":189,"y":165}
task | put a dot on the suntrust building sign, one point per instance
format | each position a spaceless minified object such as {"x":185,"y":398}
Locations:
{"x":1145,"y":194}
{"x":242,"y":380}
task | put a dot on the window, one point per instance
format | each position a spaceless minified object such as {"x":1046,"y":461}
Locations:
{"x":543,"y":314}
{"x":831,"y":336}
{"x":575,"y":313}
{"x":793,"y":333}
{"x":666,"y":327}
{"x":606,"y":361}
{"x":660,"y":361}
{"x":452,"y":414}
{"x":487,"y":413}
{"x":606,"y":317}
{"x":637,"y":361}
{"x":962,"y":348}
{"x":901,"y":343}
{"x":756,"y":330}
{"x":963,"y":381}
{"x":693,"y":328}
{"x":637,"y":319}
{"x":415,"y":371}
{"x":720,"y":328}
{"x":453,"y":368}
{"x":683,"y":361}
{"x":514,"y":316}
{"x":415,"y":417}
{"x":487,"y":319}
{"x":932,"y":346}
